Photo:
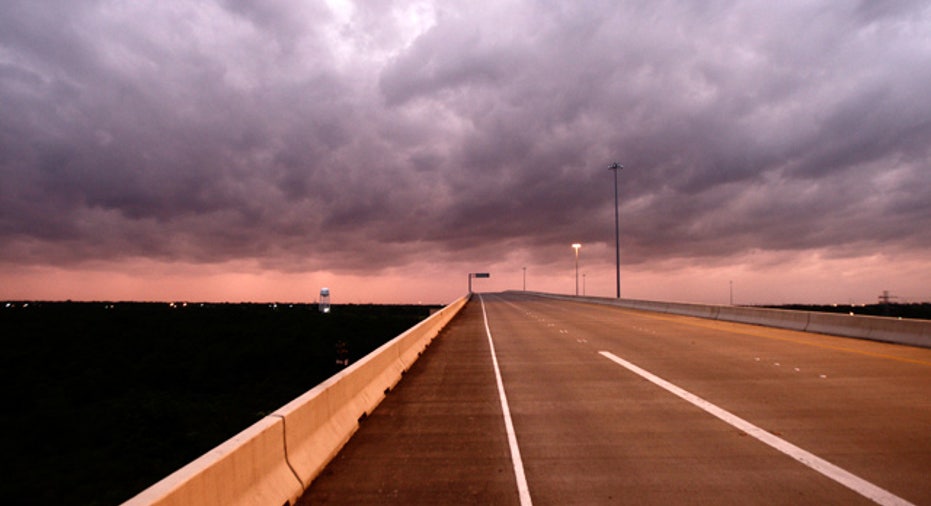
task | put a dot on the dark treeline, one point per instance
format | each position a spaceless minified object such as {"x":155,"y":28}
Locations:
{"x":920,"y":310}
{"x":103,"y":399}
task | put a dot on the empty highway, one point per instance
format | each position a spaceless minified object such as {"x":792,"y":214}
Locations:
{"x":525,"y":400}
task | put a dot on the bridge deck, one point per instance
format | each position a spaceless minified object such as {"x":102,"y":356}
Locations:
{"x":591,"y":431}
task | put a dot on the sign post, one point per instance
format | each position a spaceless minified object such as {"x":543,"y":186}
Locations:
{"x":477,"y":275}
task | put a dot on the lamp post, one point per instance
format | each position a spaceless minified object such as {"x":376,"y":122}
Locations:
{"x":617,"y":235}
{"x":525,"y":278}
{"x":576,"y":247}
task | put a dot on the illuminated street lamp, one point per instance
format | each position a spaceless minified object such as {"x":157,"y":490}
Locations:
{"x":576,"y":247}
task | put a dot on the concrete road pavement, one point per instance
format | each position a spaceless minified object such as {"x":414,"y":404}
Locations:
{"x":590,"y":431}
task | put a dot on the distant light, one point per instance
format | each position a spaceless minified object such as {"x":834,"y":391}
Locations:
{"x":324,"y":303}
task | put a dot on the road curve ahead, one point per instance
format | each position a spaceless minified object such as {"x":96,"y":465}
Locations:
{"x":614,"y":406}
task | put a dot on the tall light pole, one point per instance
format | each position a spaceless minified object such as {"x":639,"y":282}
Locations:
{"x":617,"y":233}
{"x":525,"y":279}
{"x":576,"y":247}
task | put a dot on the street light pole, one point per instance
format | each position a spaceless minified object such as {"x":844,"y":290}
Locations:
{"x":617,"y":234}
{"x":525,"y":279}
{"x":576,"y":247}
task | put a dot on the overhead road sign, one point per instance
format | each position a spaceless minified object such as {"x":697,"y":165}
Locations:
{"x":477,"y":275}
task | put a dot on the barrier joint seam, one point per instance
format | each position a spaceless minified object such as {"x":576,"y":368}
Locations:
{"x":284,"y":440}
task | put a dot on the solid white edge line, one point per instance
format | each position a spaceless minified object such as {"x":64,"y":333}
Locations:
{"x":849,"y":480}
{"x":522,"y":489}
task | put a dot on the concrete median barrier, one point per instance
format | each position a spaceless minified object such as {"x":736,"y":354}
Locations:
{"x":696,"y":310}
{"x":275,"y":460}
{"x":794,"y":320}
{"x":835,"y":323}
{"x":903,"y":331}
{"x":248,"y":469}
{"x":313,"y":439}
{"x":891,"y":330}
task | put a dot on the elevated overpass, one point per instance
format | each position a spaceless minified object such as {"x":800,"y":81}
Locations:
{"x":524,"y":399}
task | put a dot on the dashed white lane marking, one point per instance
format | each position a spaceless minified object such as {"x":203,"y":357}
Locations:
{"x":845,"y":478}
{"x":522,"y":489}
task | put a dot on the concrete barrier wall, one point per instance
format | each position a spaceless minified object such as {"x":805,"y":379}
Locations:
{"x":904,"y":331}
{"x":794,"y":320}
{"x":314,"y":439}
{"x":275,"y":460}
{"x":250,"y":468}
{"x":892,"y":330}
{"x":690,"y":309}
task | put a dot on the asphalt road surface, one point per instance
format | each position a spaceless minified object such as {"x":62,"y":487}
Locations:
{"x":603,"y":405}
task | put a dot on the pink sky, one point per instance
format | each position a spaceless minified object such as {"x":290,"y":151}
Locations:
{"x":762,"y":279}
{"x":257,"y":151}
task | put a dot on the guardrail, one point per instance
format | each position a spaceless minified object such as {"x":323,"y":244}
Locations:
{"x":876,"y":328}
{"x":273,"y":461}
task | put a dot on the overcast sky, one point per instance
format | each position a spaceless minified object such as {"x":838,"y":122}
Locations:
{"x":255,"y":150}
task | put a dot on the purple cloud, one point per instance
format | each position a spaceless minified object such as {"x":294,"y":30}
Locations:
{"x":360,"y":135}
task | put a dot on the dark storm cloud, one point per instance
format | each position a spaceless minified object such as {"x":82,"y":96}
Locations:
{"x":358,"y":137}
